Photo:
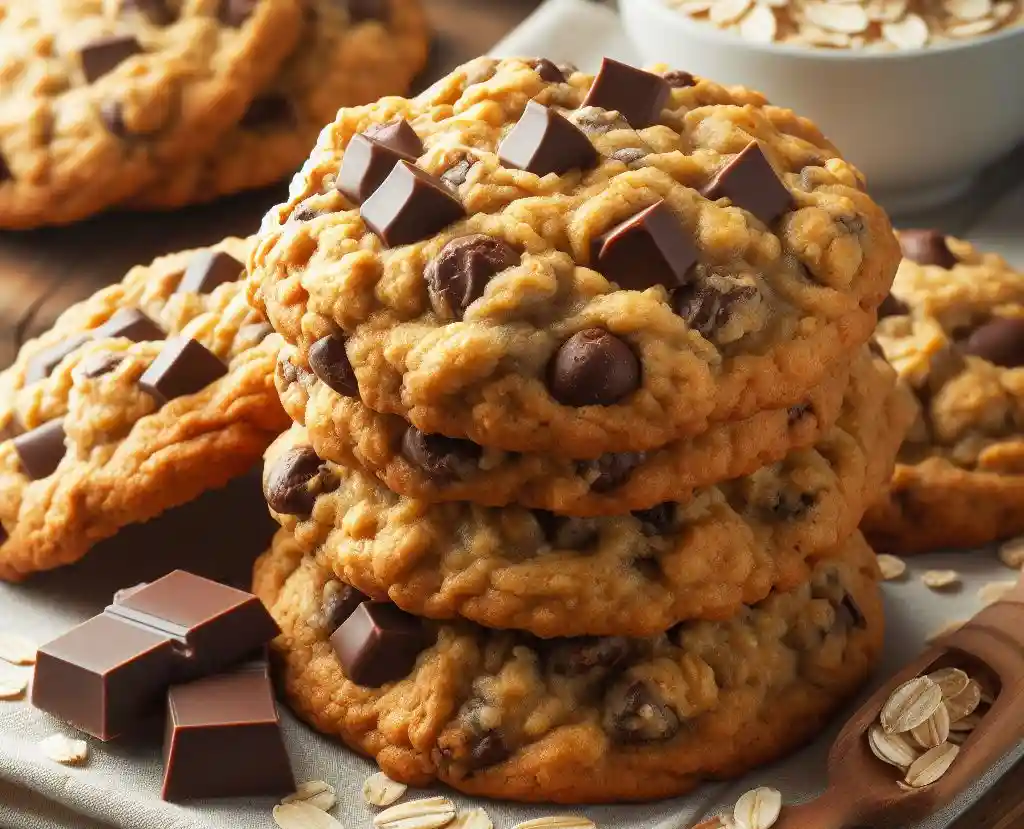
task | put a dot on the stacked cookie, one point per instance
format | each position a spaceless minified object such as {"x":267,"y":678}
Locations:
{"x":160,"y":104}
{"x":584,"y":425}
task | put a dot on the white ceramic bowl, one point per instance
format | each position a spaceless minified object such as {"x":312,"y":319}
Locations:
{"x":919,"y":124}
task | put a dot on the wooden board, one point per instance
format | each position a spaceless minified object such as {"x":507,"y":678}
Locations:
{"x":42,"y":272}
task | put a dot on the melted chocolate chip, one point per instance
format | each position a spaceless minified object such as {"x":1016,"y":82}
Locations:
{"x":5,"y":170}
{"x":330,"y":363}
{"x":634,"y":712}
{"x":1000,"y":341}
{"x":678,"y":79}
{"x":442,"y":458}
{"x":610,"y":470}
{"x":105,"y":54}
{"x":638,"y":95}
{"x":706,"y":309}
{"x":926,"y":247}
{"x":849,"y":614}
{"x":548,"y":71}
{"x":892,"y":306}
{"x":544,"y":142}
{"x":657,"y":520}
{"x":459,"y":273}
{"x":791,"y":506}
{"x":294,"y":481}
{"x":593,"y":368}
{"x":572,"y":657}
{"x":112,"y":116}
{"x":566,"y":532}
{"x":487,"y":750}
{"x":797,"y":413}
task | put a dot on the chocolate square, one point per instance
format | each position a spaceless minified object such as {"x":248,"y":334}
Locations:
{"x":131,"y":324}
{"x":378,"y":643}
{"x":636,"y":95}
{"x":208,"y":269}
{"x":41,"y":364}
{"x":544,"y":142}
{"x":409,"y":205}
{"x":750,"y":182}
{"x":105,"y":54}
{"x":41,"y":449}
{"x":185,"y":366}
{"x":649,"y":248}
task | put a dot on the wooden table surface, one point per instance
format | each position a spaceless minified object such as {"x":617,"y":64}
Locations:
{"x":44,"y":271}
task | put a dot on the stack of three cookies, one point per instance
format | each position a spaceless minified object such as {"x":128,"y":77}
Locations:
{"x":585,"y":422}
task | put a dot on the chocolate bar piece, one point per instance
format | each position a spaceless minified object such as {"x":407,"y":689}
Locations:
{"x":113,"y":670}
{"x":223,"y":738}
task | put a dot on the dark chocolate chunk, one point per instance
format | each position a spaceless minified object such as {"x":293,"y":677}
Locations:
{"x":1000,"y":341}
{"x":548,"y":71}
{"x":634,"y":712}
{"x":639,"y":96}
{"x":892,"y":306}
{"x":610,"y":470}
{"x":410,"y":205}
{"x":789,"y":505}
{"x":456,"y":175}
{"x":329,"y":361}
{"x":593,"y":368}
{"x":41,"y":364}
{"x":208,"y":269}
{"x":223,"y":738}
{"x":677,"y":79}
{"x":849,"y":614}
{"x":649,"y":248}
{"x":566,"y":532}
{"x":926,"y":247}
{"x":572,"y":657}
{"x":629,"y":155}
{"x":398,"y":136}
{"x":185,"y":366}
{"x":104,"y":54}
{"x":96,"y":365}
{"x":339,"y":602}
{"x":294,"y":481}
{"x":112,"y":115}
{"x":705,"y":308}
{"x":360,"y":10}
{"x":749,"y":181}
{"x":367,"y":163}
{"x":41,"y":449}
{"x":457,"y":276}
{"x":488,"y":750}
{"x":544,"y":142}
{"x":657,"y":520}
{"x":131,"y":324}
{"x":5,"y":170}
{"x":236,"y":12}
{"x":271,"y":110}
{"x":107,"y":674}
{"x":155,"y":11}
{"x":442,"y":458}
{"x":379,"y":643}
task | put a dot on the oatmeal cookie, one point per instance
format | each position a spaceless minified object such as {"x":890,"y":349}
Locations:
{"x":139,"y":399}
{"x":632,"y":574}
{"x":954,"y":330}
{"x":98,"y":97}
{"x":502,"y":714}
{"x":436,"y":468}
{"x":534,"y":259}
{"x":342,"y":59}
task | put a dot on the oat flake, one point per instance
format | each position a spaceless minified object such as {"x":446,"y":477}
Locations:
{"x":473,"y":819}
{"x":940,"y":579}
{"x":759,"y":26}
{"x":931,"y":765}
{"x":557,"y":822}
{"x":17,"y":649}
{"x":728,"y":11}
{"x":838,"y":17}
{"x":964,"y":703}
{"x":951,"y":681}
{"x":381,"y":790}
{"x":910,"y":705}
{"x":909,"y":33}
{"x":972,"y":29}
{"x":304,"y":816}
{"x":427,"y":813}
{"x":759,"y":808}
{"x":892,"y":567}
{"x":64,"y":750}
{"x":13,"y":687}
{"x":934,"y":731}
{"x":969,"y":9}
{"x":893,"y":749}
{"x":316,"y":793}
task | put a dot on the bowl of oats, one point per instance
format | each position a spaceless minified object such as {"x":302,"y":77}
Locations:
{"x":919,"y":94}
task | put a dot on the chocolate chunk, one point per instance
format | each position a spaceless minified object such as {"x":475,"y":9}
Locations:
{"x":705,"y":308}
{"x":548,"y":71}
{"x":41,"y":364}
{"x":155,"y":11}
{"x":457,"y":276}
{"x":96,"y":365}
{"x":794,"y":414}
{"x":104,"y":54}
{"x":410,"y":205}
{"x":5,"y":170}
{"x":360,"y":10}
{"x":131,"y":324}
{"x":223,"y":738}
{"x":791,"y":506}
{"x":634,"y":712}
{"x":330,"y":363}
{"x":367,"y":163}
{"x":749,"y":181}
{"x":398,"y":136}
{"x":442,"y":458}
{"x":566,"y":532}
{"x":849,"y":614}
{"x":269,"y":110}
{"x":1000,"y":341}
{"x":488,"y":750}
{"x":456,"y":175}
{"x":236,"y":12}
{"x":208,"y":269}
{"x":677,"y":79}
{"x":572,"y":657}
{"x":294,"y":481}
{"x":926,"y":247}
{"x":593,"y":368}
{"x":41,"y":449}
{"x":639,"y":96}
{"x":112,"y":115}
{"x":379,"y":643}
{"x":255,"y":332}
{"x":339,"y":602}
{"x":657,"y":520}
{"x":892,"y":306}
{"x":185,"y":366}
{"x":629,"y":155}
{"x":649,"y":248}
{"x":610,"y":470}
{"x":107,"y":674}
{"x":544,"y":142}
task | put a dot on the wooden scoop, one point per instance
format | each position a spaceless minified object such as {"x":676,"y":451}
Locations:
{"x":863,"y":791}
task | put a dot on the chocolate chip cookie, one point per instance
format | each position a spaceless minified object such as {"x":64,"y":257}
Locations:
{"x":543,"y":261}
{"x":438,"y":468}
{"x":634,"y":574}
{"x":142,"y":397}
{"x":503,"y":714}
{"x":100,"y":96}
{"x":954,"y":330}
{"x":348,"y":54}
